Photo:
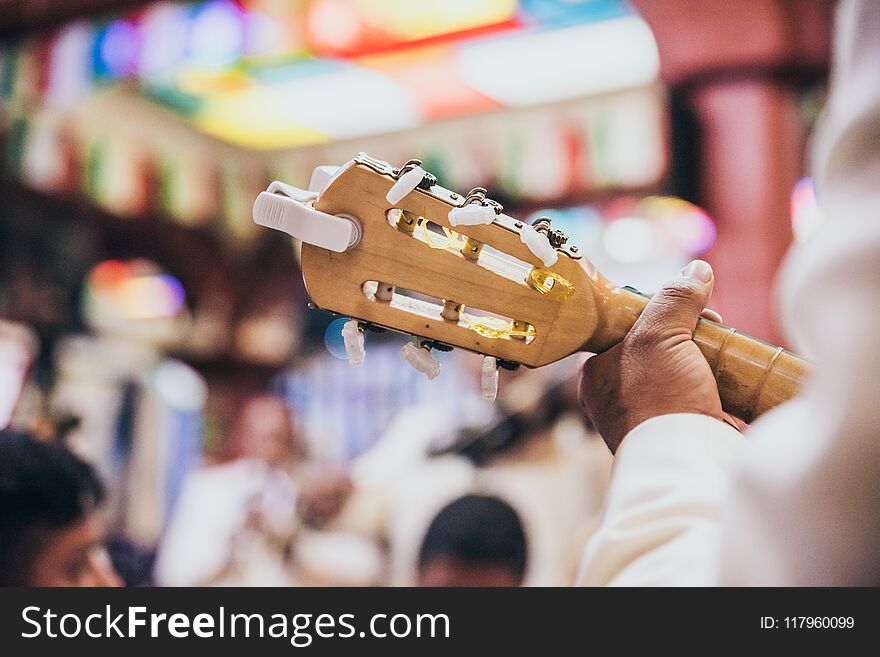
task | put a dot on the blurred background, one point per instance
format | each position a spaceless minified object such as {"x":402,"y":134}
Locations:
{"x":144,"y":316}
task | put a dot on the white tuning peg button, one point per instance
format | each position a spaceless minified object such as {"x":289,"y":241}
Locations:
{"x":405,"y":184}
{"x":489,"y":379}
{"x":471,"y":215}
{"x":539,"y":245}
{"x":353,"y":338}
{"x":421,"y":360}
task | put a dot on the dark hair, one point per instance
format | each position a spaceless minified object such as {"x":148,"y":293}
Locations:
{"x":477,"y":529}
{"x":43,"y":487}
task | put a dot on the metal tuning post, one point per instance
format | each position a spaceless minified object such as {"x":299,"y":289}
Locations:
{"x":556,"y":237}
{"x":519,"y":330}
{"x":407,"y":222}
{"x":451,"y":311}
{"x":471,"y":249}
{"x":384,"y":292}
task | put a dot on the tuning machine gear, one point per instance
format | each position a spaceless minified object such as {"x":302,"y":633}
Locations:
{"x":555,"y":236}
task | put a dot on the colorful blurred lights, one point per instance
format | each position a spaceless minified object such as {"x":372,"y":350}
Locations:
{"x":107,"y":275}
{"x":628,"y":239}
{"x":334,"y":24}
{"x":135,"y":290}
{"x":693,"y":231}
{"x":217,"y":36}
{"x":165,"y":29}
{"x":149,"y":297}
{"x":806,"y":214}
{"x":688,"y":226}
{"x":119,"y":49}
{"x":333,"y":339}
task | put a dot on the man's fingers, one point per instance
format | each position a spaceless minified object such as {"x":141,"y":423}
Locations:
{"x":707,"y":313}
{"x":677,"y":305}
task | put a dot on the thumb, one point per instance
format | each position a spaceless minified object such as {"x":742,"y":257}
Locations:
{"x":677,"y":306}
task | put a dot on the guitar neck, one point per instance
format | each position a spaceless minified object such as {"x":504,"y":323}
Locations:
{"x":752,"y":375}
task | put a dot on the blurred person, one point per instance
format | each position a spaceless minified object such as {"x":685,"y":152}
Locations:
{"x":235,"y":522}
{"x":19,"y":347}
{"x":51,"y":533}
{"x":548,"y":464}
{"x":476,"y":540}
{"x":796,"y":503}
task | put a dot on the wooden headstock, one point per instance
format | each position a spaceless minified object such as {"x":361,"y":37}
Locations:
{"x":501,"y":288}
{"x":447,"y":279}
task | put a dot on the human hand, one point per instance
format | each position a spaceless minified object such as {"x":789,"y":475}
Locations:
{"x":323,"y":498}
{"x":657,"y":369}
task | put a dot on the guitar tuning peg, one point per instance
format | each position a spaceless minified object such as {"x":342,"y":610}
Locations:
{"x":471,"y":214}
{"x":489,"y":378}
{"x":405,"y":184}
{"x":354,"y":342}
{"x":538,"y":244}
{"x":421,"y":359}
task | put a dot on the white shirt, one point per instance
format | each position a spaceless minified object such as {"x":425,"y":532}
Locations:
{"x":797,"y":501}
{"x":206,"y":537}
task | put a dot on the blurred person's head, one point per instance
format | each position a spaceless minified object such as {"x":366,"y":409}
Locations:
{"x":50,"y":530}
{"x":264,"y":431}
{"x":476,"y":540}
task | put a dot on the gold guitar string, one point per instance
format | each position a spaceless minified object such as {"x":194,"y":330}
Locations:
{"x":452,"y":241}
{"x":495,"y":327}
{"x":544,"y":281}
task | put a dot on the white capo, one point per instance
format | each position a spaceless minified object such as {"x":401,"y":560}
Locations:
{"x":291,"y":210}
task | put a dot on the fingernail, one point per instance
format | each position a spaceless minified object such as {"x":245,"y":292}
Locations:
{"x":699,"y":270}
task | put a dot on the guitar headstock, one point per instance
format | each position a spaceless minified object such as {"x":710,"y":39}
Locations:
{"x":379,"y":246}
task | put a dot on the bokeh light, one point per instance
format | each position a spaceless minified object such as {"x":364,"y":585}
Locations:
{"x":165,"y":31}
{"x":686,"y":225}
{"x":629,"y":239}
{"x":806,"y":215}
{"x":148,"y":297}
{"x":135,"y":290}
{"x":333,"y":339}
{"x":333,"y":25}
{"x":217,"y":35}
{"x":118,"y":49}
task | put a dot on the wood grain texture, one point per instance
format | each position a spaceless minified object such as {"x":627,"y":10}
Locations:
{"x":752,"y":376}
{"x":335,"y":280}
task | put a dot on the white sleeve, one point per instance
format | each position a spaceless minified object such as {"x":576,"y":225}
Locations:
{"x":800,"y":504}
{"x":660,"y":523}
{"x":805,"y":498}
{"x":198,"y":540}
